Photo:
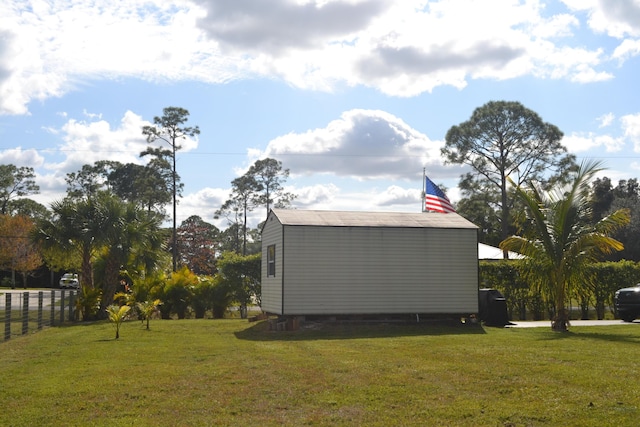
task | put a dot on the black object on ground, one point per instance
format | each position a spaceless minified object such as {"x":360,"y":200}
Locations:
{"x":493,"y":308}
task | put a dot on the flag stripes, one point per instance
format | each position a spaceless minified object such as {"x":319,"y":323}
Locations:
{"x":435,"y":200}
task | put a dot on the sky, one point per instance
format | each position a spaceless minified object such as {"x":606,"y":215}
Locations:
{"x":354,"y":97}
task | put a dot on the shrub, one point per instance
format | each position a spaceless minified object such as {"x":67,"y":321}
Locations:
{"x":202,"y":299}
{"x":221,"y":296}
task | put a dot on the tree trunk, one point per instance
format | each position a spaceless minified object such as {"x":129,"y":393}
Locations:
{"x":561,"y":318}
{"x":600,"y":310}
{"x":111,"y":274}
{"x":560,"y":321}
{"x":86,"y":275}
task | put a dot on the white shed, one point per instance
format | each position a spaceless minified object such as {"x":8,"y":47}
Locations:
{"x":357,"y":263}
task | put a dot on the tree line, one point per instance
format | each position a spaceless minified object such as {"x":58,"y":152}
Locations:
{"x":525,"y":192}
{"x":108,"y":228}
{"x":531,"y":197}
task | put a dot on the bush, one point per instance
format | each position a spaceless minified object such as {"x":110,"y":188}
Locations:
{"x":607,"y":277}
{"x":604,"y":279}
{"x":175,"y":292}
{"x":504,"y":276}
{"x":221,"y":296}
{"x":178,"y":292}
{"x":202,"y":299}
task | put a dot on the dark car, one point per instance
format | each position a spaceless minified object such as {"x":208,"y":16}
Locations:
{"x":627,"y":303}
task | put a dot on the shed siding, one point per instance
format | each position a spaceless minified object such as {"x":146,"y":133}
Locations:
{"x":373,"y":270}
{"x":272,"y":286}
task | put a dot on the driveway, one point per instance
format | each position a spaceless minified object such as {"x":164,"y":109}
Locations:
{"x":547,"y":323}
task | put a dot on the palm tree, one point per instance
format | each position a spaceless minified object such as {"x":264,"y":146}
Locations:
{"x":123,"y":234}
{"x":69,"y":236}
{"x":560,"y":238}
{"x":130,"y":235}
{"x":147,"y":309}
{"x":117,"y":315}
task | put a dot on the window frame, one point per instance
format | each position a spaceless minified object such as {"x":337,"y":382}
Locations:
{"x":271,"y":260}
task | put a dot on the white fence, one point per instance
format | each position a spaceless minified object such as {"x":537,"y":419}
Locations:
{"x":24,"y":311}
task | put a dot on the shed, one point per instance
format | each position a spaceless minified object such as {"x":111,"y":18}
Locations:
{"x":368,"y":263}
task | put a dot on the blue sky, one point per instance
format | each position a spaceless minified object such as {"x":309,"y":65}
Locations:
{"x":353,"y":96}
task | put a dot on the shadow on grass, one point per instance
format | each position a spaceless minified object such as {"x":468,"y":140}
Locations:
{"x":338,"y":331}
{"x":590,"y":335}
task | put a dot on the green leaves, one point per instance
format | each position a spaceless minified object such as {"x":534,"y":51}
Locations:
{"x":561,"y":240}
{"x":117,"y":315}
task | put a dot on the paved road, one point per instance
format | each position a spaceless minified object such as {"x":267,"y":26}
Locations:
{"x":547,"y":323}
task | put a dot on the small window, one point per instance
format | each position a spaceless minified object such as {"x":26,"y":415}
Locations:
{"x":271,"y":261}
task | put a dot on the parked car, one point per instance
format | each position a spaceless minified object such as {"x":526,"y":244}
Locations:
{"x":69,"y":281}
{"x":627,"y":303}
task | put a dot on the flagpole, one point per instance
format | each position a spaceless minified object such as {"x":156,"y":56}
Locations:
{"x":424,"y":189}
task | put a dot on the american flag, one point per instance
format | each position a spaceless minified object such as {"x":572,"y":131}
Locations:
{"x":435,"y":200}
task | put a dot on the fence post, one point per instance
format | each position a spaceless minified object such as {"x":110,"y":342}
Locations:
{"x":62,"y":306}
{"x":7,"y":316}
{"x":25,"y":313}
{"x":40,"y":298}
{"x":72,"y":303}
{"x":53,"y":307}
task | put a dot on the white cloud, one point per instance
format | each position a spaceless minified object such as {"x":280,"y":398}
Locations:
{"x":631,"y":126}
{"x":616,"y":18}
{"x":19,"y":157}
{"x":362,"y":144}
{"x":627,"y":49}
{"x":402,"y":48}
{"x":397,"y":196}
{"x":47,"y":48}
{"x":319,"y":196}
{"x":86,"y":142}
{"x":581,"y":142}
{"x":201,"y":204}
{"x":606,"y":120}
{"x":91,"y":115}
{"x":330,"y":197}
{"x":278,"y":26}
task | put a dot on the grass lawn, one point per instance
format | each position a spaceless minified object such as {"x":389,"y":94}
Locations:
{"x":231,"y":373}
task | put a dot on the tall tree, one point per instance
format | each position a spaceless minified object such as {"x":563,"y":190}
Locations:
{"x":560,"y":238}
{"x":505,"y":140}
{"x":601,"y":197}
{"x":91,"y":179}
{"x":27,"y":207}
{"x":170,"y":129}
{"x":245,"y":197}
{"x":198,"y":243}
{"x":477,"y":209}
{"x":627,"y":195}
{"x":606,"y":199}
{"x":15,"y":182}
{"x":148,"y":186}
{"x":269,"y":177}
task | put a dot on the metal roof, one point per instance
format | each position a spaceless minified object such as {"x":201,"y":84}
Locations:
{"x":371,"y":219}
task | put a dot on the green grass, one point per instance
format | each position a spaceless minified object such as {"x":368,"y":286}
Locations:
{"x":230,"y":373}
